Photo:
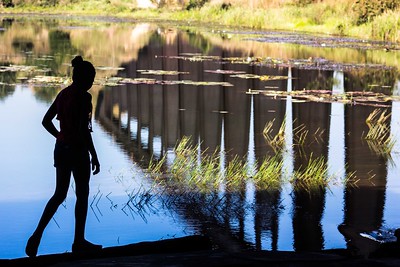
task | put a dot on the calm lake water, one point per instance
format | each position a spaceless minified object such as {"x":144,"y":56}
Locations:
{"x":158,"y":83}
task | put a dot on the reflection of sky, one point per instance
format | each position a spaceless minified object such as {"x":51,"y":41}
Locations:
{"x":392,"y":207}
{"x":28,"y":180}
{"x":27,"y":153}
{"x":26,"y":149}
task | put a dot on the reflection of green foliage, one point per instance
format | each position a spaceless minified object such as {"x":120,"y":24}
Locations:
{"x":61,"y":48}
{"x":5,"y":91}
{"x":379,"y":81}
{"x":199,"y":41}
{"x":6,"y":23}
{"x":322,"y":83}
{"x":22,"y":44}
{"x":6,"y":78}
{"x":46,"y":93}
{"x":156,"y":38}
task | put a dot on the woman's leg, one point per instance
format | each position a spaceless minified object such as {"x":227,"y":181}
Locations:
{"x":63,"y":176}
{"x":82,"y":177}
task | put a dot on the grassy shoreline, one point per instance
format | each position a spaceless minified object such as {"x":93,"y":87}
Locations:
{"x":322,"y":18}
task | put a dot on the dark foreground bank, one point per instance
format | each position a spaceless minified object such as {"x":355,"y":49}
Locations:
{"x":200,"y":251}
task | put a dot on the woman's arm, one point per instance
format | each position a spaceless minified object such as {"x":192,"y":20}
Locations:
{"x":92,"y":150}
{"x":89,"y":139}
{"x":47,"y":121}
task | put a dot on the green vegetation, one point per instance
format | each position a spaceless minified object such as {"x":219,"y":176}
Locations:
{"x":376,"y":19}
{"x":378,"y":137}
{"x":314,"y":175}
{"x":195,"y":171}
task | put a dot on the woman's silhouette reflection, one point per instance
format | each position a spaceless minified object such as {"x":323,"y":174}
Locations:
{"x":73,"y":108}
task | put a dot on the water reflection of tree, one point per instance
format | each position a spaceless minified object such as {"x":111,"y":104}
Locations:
{"x":5,"y":23}
{"x":375,"y":80}
{"x":61,"y":50}
{"x":198,"y":41}
{"x":7,"y":79}
{"x":46,"y":93}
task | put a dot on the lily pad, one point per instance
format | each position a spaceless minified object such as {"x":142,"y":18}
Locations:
{"x":260,"y":77}
{"x":49,"y":80}
{"x":161,"y":72}
{"x":193,"y":58}
{"x":307,"y":63}
{"x":109,"y":68}
{"x":118,"y":81}
{"x":354,"y":98}
{"x":218,"y":71}
{"x":20,"y":68}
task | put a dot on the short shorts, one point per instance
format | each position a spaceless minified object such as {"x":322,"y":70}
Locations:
{"x":71,"y":157}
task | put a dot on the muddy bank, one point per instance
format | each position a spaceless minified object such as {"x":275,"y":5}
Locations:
{"x":200,"y":251}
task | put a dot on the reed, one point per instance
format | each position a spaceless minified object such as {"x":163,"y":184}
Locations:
{"x":313,"y":175}
{"x":269,"y":174}
{"x":378,"y":137}
{"x":351,"y":179}
{"x":277,"y":142}
{"x":192,"y":171}
{"x":300,"y":134}
{"x":155,"y":168}
{"x":236,"y":172}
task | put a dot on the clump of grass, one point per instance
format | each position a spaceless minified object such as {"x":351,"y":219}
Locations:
{"x":201,"y":171}
{"x":155,"y":168}
{"x":378,"y":137}
{"x":192,"y":171}
{"x":205,"y":174}
{"x":314,"y":175}
{"x":236,"y":172}
{"x":269,"y":174}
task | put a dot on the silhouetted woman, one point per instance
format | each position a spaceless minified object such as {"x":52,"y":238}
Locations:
{"x":73,"y":108}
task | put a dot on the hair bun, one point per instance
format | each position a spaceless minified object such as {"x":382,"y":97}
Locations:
{"x":76,"y":61}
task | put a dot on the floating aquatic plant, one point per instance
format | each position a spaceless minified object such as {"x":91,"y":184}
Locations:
{"x":260,"y":77}
{"x":326,"y":96}
{"x":40,"y":79}
{"x":165,"y":82}
{"x":218,"y":71}
{"x":22,"y":68}
{"x":108,"y":68}
{"x":309,"y":63}
{"x":161,"y":72}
